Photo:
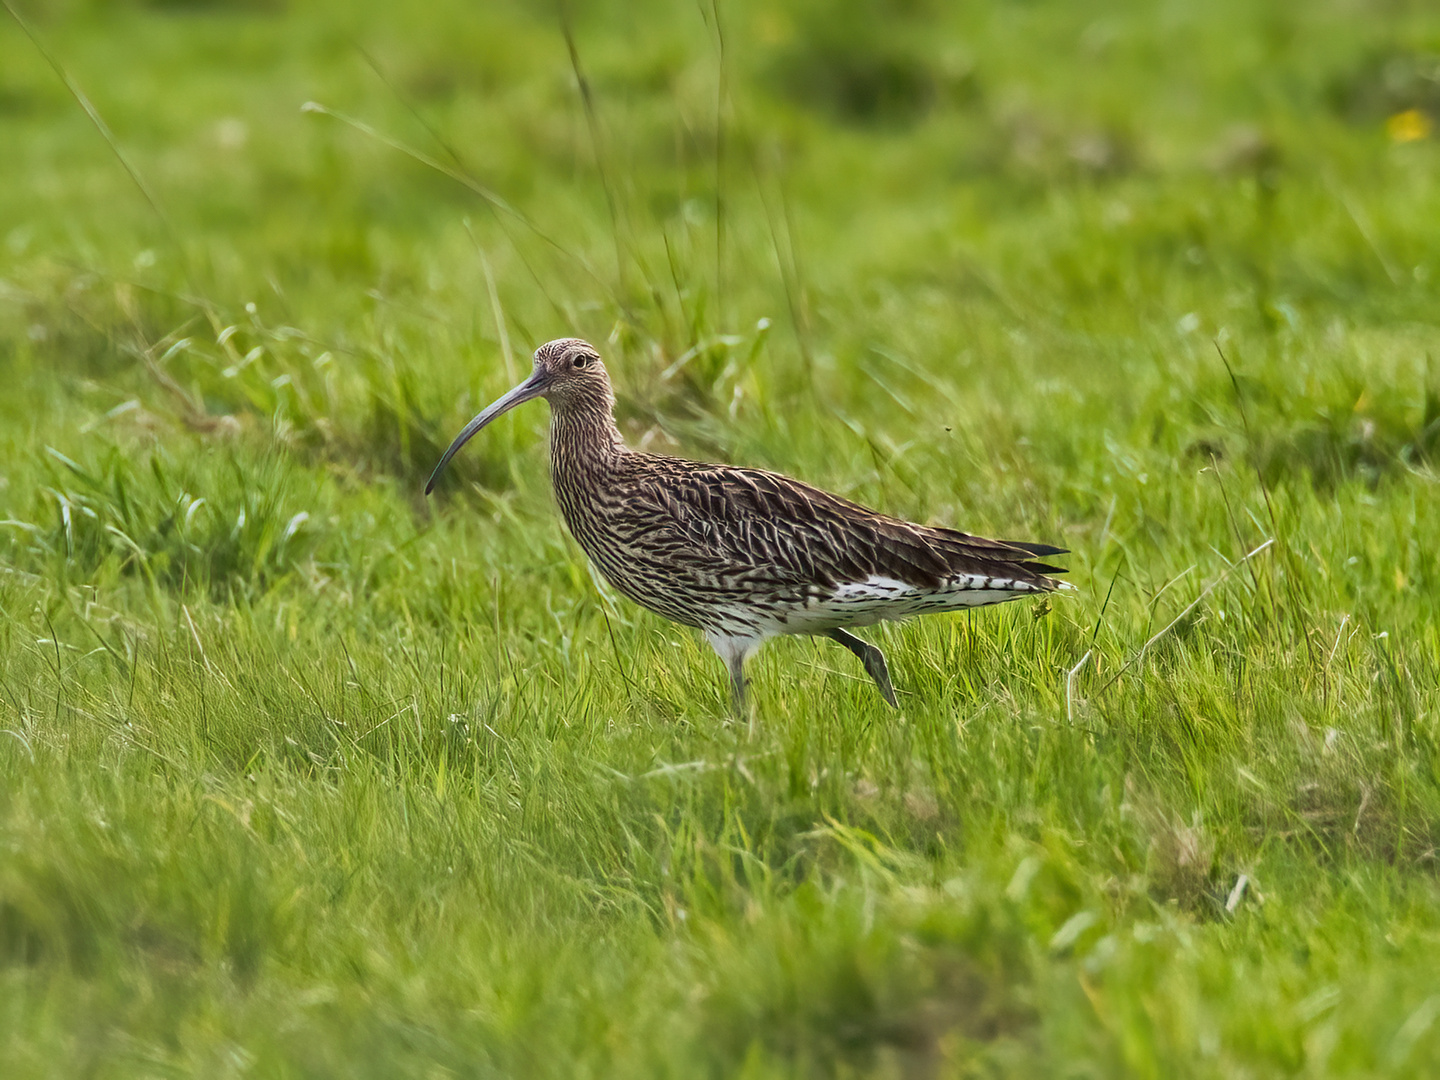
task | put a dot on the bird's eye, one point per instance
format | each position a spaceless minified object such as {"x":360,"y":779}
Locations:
{"x":580,"y":361}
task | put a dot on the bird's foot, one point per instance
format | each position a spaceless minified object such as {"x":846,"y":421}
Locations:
{"x":873,"y":660}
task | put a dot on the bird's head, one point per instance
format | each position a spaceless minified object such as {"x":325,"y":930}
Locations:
{"x":568,"y":373}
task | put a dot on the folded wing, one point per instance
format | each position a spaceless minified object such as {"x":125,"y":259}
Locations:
{"x":756,"y":521}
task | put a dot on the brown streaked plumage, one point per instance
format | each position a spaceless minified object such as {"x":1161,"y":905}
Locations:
{"x":741,"y":554}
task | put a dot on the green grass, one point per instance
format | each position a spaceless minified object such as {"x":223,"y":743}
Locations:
{"x":304,"y":774}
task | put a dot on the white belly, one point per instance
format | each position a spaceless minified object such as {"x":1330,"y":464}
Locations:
{"x":865,"y":603}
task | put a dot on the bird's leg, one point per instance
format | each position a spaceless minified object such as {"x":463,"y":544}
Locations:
{"x":737,"y":685}
{"x":733,"y":650}
{"x":872,"y":658}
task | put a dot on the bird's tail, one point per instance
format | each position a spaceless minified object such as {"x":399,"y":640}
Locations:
{"x":1041,"y":550}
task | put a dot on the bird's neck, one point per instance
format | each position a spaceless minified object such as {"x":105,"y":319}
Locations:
{"x":583,"y":437}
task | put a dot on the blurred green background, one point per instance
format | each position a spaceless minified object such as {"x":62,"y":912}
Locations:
{"x":302,"y":773}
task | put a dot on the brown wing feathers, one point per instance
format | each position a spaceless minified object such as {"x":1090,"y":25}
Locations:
{"x":1013,"y":555}
{"x":764,"y":518}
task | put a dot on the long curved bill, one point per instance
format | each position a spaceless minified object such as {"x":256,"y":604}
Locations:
{"x":528,"y":390}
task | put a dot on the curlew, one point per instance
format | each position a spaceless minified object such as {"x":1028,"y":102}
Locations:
{"x":741,"y":554}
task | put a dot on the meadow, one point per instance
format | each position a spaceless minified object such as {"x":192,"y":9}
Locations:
{"x":305,"y":774}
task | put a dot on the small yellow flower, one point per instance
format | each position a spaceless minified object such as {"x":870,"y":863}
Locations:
{"x":1407,"y":126}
